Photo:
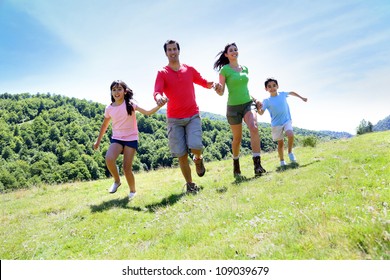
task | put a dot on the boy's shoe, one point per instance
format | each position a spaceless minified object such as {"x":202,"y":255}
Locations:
{"x":236,"y":167}
{"x":114,"y":187}
{"x":259,"y":170}
{"x":292,"y":157}
{"x":200,"y":170}
{"x":132,"y":195}
{"x":192,"y":188}
{"x":282,"y":163}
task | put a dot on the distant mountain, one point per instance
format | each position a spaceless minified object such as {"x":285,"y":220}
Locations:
{"x":382,"y":125}
{"x":337,"y":134}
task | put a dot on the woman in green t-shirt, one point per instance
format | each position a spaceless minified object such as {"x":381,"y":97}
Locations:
{"x":235,"y":77}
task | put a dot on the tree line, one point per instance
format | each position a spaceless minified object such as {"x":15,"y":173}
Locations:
{"x":48,"y":138}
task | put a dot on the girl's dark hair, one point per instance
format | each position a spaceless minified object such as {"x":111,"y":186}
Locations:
{"x":128,"y":95}
{"x":222,"y":59}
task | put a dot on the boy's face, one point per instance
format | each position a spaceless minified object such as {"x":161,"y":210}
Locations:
{"x":272,"y":87}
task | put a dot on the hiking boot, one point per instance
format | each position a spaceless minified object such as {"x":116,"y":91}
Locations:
{"x":200,"y":170}
{"x":236,"y":167}
{"x":114,"y":187}
{"x":192,"y":188}
{"x":258,"y":168}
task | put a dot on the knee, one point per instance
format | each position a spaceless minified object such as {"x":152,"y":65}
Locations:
{"x":110,"y":158}
{"x":289,"y":133}
{"x":127,"y":167}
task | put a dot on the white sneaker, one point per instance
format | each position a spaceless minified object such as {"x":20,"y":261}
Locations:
{"x":132,"y":195}
{"x":114,"y":187}
{"x":282,"y":163}
{"x":292,"y":157}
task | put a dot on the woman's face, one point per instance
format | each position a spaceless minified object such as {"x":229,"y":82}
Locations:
{"x":232,"y":52}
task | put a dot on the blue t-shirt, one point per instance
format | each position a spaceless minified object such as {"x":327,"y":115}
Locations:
{"x":277,"y":107}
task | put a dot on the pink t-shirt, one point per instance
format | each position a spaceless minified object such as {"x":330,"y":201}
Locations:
{"x":178,"y":86}
{"x":124,"y":126}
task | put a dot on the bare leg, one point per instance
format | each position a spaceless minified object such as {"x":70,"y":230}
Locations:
{"x":111,"y":156}
{"x":128,"y":157}
{"x":290,"y":137}
{"x":185,"y":168}
{"x":281,"y":149}
{"x":250,"y":119}
{"x":237,"y":137}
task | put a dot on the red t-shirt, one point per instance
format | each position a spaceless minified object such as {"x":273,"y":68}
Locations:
{"x":178,"y":86}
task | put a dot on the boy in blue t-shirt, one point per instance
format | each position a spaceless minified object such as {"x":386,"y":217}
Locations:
{"x":280,"y":117}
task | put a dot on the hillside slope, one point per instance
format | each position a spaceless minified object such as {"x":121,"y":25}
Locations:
{"x":333,"y":206}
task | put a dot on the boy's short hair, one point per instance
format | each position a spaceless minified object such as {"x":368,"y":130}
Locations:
{"x":168,"y":42}
{"x":270,"y":80}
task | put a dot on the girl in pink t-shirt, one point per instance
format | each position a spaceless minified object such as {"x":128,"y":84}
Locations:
{"x":124,"y":138}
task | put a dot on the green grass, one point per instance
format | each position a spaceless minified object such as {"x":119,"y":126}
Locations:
{"x":333,"y":206}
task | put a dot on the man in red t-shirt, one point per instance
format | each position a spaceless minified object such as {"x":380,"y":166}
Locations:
{"x":175,"y":84}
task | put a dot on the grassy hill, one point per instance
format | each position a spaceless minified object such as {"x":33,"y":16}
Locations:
{"x":333,"y":206}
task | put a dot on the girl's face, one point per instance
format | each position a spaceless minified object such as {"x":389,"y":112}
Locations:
{"x":118,"y":92}
{"x":232,"y":52}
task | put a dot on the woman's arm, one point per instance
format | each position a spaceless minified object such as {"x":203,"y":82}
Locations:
{"x":220,"y":87}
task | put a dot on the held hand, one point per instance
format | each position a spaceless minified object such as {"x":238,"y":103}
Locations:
{"x":259,"y":105}
{"x":161,"y":100}
{"x":210,"y":85}
{"x":304,"y":99}
{"x":218,"y":88}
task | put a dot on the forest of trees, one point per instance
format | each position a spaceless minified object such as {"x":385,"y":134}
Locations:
{"x":48,"y":138}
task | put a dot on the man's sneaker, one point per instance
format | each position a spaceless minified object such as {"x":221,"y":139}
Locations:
{"x":282,"y":163}
{"x":292,"y":157}
{"x":192,"y":188}
{"x":132,"y":195}
{"x":259,"y":170}
{"x":236,"y":167}
{"x":200,"y":170}
{"x":114,"y":187}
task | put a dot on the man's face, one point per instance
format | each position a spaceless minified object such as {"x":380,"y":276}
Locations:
{"x":172,"y":52}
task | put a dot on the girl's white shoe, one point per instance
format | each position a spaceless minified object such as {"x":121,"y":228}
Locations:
{"x":114,"y":187}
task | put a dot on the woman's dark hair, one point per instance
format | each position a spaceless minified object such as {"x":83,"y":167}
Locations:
{"x":171,"y":42}
{"x":128,"y":95}
{"x":222,"y":59}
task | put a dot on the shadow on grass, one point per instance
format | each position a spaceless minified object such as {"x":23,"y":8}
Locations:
{"x":166,"y":201}
{"x":124,"y":203}
{"x":294,"y":165}
{"x":113,"y":203}
{"x":241,"y":179}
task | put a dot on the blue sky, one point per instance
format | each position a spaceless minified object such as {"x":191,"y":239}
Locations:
{"x":335,"y":53}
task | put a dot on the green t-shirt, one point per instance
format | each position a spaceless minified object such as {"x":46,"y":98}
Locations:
{"x":237,"y":84}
